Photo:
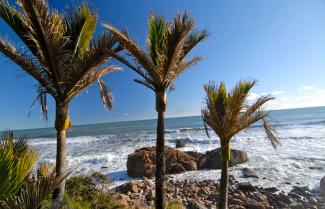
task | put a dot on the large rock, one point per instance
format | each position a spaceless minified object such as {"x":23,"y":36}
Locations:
{"x":180,"y":143}
{"x":211,"y":160}
{"x":141,"y":163}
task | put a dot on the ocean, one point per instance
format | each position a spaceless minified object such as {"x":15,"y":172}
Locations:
{"x":300,"y":160}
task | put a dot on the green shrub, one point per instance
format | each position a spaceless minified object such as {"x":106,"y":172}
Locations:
{"x":83,"y":192}
{"x":175,"y":204}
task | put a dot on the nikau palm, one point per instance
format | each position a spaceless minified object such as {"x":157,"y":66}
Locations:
{"x":227,"y":114}
{"x":61,"y":55}
{"x":168,"y":44}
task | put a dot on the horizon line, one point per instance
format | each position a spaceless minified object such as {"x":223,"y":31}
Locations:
{"x":146,"y":119}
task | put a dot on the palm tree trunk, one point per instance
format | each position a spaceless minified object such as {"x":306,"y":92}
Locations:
{"x":160,"y":153}
{"x":62,"y":123}
{"x":224,"y":185}
{"x":224,"y":181}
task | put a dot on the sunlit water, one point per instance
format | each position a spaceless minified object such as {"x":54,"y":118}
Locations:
{"x":105,"y":147}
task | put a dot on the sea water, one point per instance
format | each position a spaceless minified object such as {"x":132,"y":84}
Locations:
{"x":300,"y":160}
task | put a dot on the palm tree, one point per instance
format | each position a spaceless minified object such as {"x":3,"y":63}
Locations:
{"x":61,"y":55}
{"x":18,"y":188}
{"x":168,"y":44}
{"x":227,"y":114}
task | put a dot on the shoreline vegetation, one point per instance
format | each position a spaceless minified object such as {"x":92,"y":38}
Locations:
{"x":61,"y":54}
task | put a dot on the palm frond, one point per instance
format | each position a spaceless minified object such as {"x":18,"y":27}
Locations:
{"x":28,"y":64}
{"x":175,"y":38}
{"x":16,"y":160}
{"x":156,"y":35}
{"x":135,"y":50}
{"x":33,"y":194}
{"x":106,"y":94}
{"x":172,"y":75}
{"x":271,"y":133}
{"x":145,"y":83}
{"x":192,"y":41}
{"x":81,"y":25}
{"x":89,"y":78}
{"x":16,"y":22}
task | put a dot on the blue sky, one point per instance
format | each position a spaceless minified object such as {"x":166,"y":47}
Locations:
{"x":281,"y":43}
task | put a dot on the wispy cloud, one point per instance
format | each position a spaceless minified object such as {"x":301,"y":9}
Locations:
{"x":252,"y":96}
{"x":277,"y":92}
{"x":306,"y":88}
{"x":305,"y":96}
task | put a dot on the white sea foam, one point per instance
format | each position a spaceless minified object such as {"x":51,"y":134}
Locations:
{"x":71,"y":140}
{"x":299,"y":161}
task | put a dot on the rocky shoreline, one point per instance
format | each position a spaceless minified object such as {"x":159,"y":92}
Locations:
{"x":205,"y":195}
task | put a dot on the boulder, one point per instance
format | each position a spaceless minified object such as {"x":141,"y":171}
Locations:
{"x":322,"y":187}
{"x":180,"y":143}
{"x":211,"y":159}
{"x":141,"y":163}
{"x":249,"y":173}
{"x":253,"y":204}
{"x":175,"y":168}
{"x":246,"y":186}
{"x":132,"y":186}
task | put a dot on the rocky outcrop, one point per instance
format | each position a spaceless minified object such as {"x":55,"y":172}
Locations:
{"x":141,"y":163}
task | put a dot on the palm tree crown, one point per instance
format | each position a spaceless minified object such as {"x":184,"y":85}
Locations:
{"x":228,"y":113}
{"x":61,"y":54}
{"x":168,"y":44}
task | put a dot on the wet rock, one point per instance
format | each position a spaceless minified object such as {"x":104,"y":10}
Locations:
{"x":249,"y":173}
{"x":252,"y":204}
{"x":283,"y":198}
{"x":296,"y":206}
{"x":271,"y":189}
{"x":180,"y":143}
{"x":192,"y":204}
{"x":246,"y":186}
{"x":302,"y":191}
